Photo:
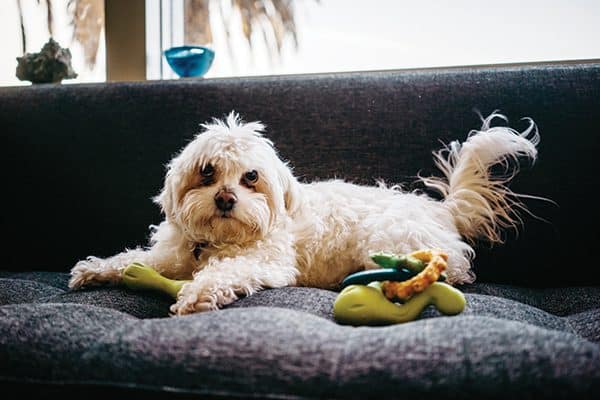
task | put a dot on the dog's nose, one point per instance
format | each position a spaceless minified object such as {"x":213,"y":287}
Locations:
{"x":225,"y":200}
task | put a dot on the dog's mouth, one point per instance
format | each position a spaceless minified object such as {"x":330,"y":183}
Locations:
{"x":225,"y":214}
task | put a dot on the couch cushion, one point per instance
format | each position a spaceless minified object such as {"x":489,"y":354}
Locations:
{"x":284,"y":343}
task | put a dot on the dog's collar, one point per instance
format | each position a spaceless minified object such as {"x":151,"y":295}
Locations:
{"x":198,"y":247}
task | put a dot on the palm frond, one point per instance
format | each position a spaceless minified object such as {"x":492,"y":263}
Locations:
{"x":87,"y":19}
{"x":285,"y":12}
{"x":49,"y":17}
{"x":245,"y":9}
{"x":197,"y":28}
{"x":22,"y":25}
{"x":273,"y":19}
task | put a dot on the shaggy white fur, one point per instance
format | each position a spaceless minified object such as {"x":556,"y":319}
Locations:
{"x":237,"y":221}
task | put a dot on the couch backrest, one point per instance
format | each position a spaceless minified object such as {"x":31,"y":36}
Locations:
{"x":80,"y":163}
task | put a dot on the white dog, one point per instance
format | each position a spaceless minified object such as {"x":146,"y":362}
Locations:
{"x":237,"y":221}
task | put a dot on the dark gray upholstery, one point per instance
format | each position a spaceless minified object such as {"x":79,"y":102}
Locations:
{"x":81,"y":162}
{"x":284,"y":342}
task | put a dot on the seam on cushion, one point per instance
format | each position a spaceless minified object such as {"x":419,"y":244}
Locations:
{"x":492,"y":291}
{"x":45,"y":300}
{"x":574,"y":329}
{"x":156,"y":388}
{"x":549,"y":314}
{"x":466,"y":361}
{"x":284,"y":308}
{"x":266,"y":308}
{"x":342,"y":356}
{"x":570,"y":325}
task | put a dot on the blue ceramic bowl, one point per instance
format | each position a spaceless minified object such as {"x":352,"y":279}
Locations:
{"x":190,"y":61}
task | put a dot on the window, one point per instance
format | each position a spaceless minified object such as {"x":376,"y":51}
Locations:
{"x":350,"y":35}
{"x":307,"y":36}
{"x":72,"y":22}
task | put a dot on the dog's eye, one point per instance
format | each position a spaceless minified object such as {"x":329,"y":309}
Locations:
{"x":207,"y":171}
{"x":251,"y":177}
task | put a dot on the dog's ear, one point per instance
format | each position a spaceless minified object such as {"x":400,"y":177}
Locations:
{"x":291,"y":189}
{"x":167,"y":199}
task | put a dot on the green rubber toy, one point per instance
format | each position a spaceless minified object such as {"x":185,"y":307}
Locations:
{"x":379,"y":274}
{"x":139,"y":276}
{"x":367,"y":305}
{"x":403,"y":262}
{"x":385,"y":260}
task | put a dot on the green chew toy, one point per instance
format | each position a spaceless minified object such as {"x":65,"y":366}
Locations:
{"x":380,"y":274}
{"x":409,"y":262}
{"x":404,"y":263}
{"x":141,"y":277}
{"x":368,"y":297}
{"x":367,"y":305}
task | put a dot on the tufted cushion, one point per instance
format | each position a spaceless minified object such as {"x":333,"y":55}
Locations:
{"x":284,"y":343}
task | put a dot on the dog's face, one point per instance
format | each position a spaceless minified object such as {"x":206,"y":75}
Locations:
{"x":228,"y":185}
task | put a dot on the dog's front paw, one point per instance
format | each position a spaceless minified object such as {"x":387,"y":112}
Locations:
{"x":194,"y":297}
{"x":93,"y":271}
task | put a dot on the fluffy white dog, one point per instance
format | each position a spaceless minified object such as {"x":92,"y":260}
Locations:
{"x":238,"y":221}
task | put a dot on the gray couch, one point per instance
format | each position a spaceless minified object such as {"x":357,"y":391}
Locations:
{"x":81,"y":162}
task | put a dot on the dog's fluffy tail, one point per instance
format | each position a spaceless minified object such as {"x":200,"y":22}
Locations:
{"x":481,"y":203}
